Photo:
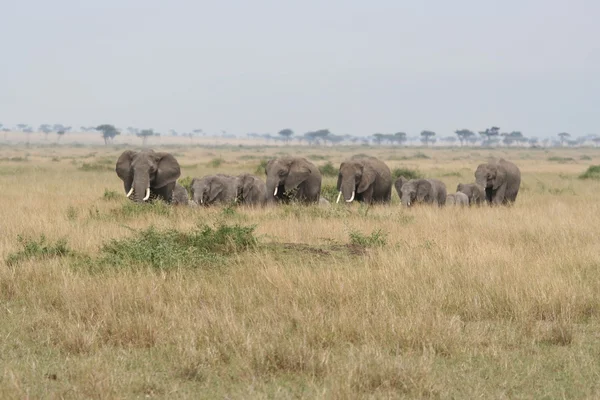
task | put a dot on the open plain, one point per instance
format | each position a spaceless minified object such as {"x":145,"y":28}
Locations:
{"x":103,"y":298}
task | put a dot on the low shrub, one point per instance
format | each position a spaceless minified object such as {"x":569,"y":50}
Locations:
{"x":261,"y":168}
{"x":40,"y":248}
{"x":593,"y":172}
{"x":377,"y":238}
{"x":166,"y":249}
{"x":110,"y":195}
{"x":94,"y":167}
{"x":215,"y":162}
{"x":407,"y":173}
{"x":561,"y":160}
{"x":328,"y":169}
{"x":329,"y":192}
{"x":186,"y":183}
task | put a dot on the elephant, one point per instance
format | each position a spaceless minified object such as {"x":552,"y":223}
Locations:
{"x":501,"y":180}
{"x":251,"y":190}
{"x":147,"y":173}
{"x":398,"y":185}
{"x":180,"y":195}
{"x":474,"y":192}
{"x":458,"y":198}
{"x":364,"y":179}
{"x":427,"y":191}
{"x":293,"y":178}
{"x":213,"y":189}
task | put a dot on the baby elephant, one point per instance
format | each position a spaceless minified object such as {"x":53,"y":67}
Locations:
{"x":474,"y":192}
{"x":180,"y":196}
{"x":214,"y":189}
{"x":425,"y":191}
{"x":459,"y":199}
{"x":251,"y":190}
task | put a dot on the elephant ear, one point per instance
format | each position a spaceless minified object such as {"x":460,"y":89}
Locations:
{"x":123,"y":168}
{"x":246,"y":184}
{"x":299,"y":171}
{"x":459,"y":187}
{"x":423,"y":190}
{"x":268,"y":166}
{"x":216,"y":187}
{"x":500,"y":177}
{"x":168,"y":170}
{"x":367,"y":178}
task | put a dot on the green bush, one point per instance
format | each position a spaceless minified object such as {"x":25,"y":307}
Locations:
{"x":186,"y":183}
{"x":261,"y":168}
{"x":593,"y":172}
{"x":215,"y":162}
{"x":328,"y":169}
{"x":32,"y":248}
{"x":420,"y":155}
{"x":585,"y":157}
{"x":377,"y":238}
{"x":132,"y":209}
{"x":561,"y":160}
{"x":166,"y":249}
{"x":110,"y":195}
{"x":93,"y":167}
{"x":407,"y":173}
{"x":329,"y":192}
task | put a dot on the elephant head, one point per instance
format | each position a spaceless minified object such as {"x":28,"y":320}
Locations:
{"x":415,"y":191}
{"x":398,"y":185}
{"x":490,"y":176}
{"x":250,"y":189}
{"x":145,"y":171}
{"x":285,"y":174}
{"x":209,"y":189}
{"x":355,"y":177}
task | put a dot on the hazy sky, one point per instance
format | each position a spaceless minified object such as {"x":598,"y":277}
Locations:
{"x":353,"y":66}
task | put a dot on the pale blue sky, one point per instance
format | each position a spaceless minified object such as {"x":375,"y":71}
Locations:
{"x":352,"y":66}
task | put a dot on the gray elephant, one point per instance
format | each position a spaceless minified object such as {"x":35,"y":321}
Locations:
{"x":213,"y":189}
{"x":148,"y":174}
{"x":474,"y":192}
{"x":423,"y":191}
{"x":251,"y":190}
{"x":458,"y":199}
{"x":501,"y":180}
{"x":398,"y":185}
{"x":180,"y":196}
{"x":293,"y":178}
{"x":364,"y":179}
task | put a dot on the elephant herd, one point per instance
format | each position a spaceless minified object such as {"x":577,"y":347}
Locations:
{"x":148,"y":175}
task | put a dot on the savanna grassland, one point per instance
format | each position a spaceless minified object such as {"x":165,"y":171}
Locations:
{"x":101,"y":298}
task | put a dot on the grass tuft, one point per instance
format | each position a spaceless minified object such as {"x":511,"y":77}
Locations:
{"x":407,"y":173}
{"x":328,"y":169}
{"x":593,"y":172}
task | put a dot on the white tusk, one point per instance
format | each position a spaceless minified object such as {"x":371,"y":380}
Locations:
{"x":130,"y":192}
{"x":351,"y":198}
{"x":275,"y":192}
{"x":201,"y":200}
{"x":408,"y":204}
{"x":147,"y":194}
{"x":339,"y":195}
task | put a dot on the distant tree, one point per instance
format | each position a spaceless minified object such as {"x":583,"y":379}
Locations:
{"x":45,"y":129}
{"x":59,"y":135}
{"x":145,"y":134}
{"x":595,"y":139}
{"x":108,"y":132}
{"x":173,"y":132}
{"x":22,"y":127}
{"x":427,"y":136}
{"x":533,"y":141}
{"x":563,"y":137}
{"x":449,"y":139}
{"x":286,"y":134}
{"x":490,"y":135}
{"x":378,"y":138}
{"x":464,"y":135}
{"x":399,"y":138}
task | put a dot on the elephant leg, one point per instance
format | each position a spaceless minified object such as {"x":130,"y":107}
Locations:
{"x":367,"y":195}
{"x":499,"y":195}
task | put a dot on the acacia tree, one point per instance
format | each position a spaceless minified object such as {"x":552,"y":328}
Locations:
{"x":464,"y":135}
{"x":145,"y":134}
{"x":108,"y":132}
{"x":286,"y":134}
{"x":563,"y":137}
{"x":45,"y":129}
{"x":489,"y":134}
{"x":427,"y":136}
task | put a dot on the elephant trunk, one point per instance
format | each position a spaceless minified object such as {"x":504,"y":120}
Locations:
{"x":140,"y":187}
{"x":273,"y":189}
{"x":348,"y":190}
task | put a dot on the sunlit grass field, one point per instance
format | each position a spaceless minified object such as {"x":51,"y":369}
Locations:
{"x":100,"y":298}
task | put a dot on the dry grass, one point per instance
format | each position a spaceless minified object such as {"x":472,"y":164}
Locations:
{"x":477,"y":303}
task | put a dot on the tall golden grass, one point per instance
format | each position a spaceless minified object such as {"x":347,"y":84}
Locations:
{"x":457,"y":303}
